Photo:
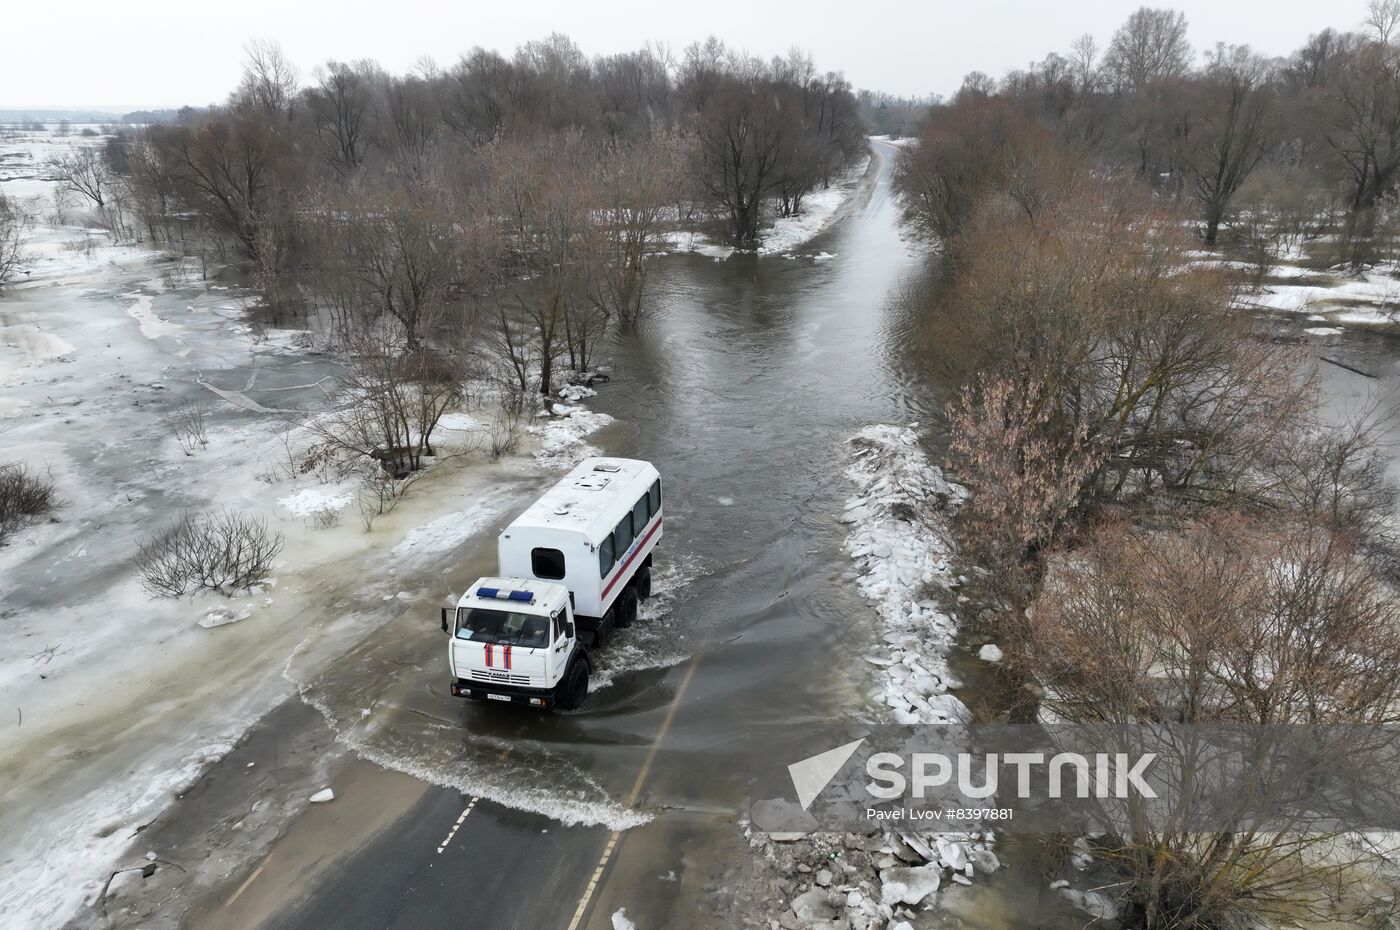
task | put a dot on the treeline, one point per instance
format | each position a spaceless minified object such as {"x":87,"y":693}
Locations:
{"x":1279,"y":149}
{"x":483,"y":223}
{"x":1165,"y":526}
{"x":714,"y":137}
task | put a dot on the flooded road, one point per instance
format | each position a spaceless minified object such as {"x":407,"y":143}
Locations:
{"x":742,"y":389}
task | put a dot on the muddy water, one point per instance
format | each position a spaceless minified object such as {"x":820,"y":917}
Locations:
{"x":743,"y":390}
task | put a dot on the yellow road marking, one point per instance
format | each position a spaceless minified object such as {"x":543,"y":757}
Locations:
{"x":632,"y":796}
{"x":246,"y":882}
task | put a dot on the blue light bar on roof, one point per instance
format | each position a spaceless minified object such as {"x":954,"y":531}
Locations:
{"x":499,"y":595}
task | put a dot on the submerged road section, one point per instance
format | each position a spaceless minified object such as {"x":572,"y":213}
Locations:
{"x":742,"y":389}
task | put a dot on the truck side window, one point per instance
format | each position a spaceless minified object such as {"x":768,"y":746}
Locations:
{"x":639,"y":516}
{"x":606,"y":557}
{"x":655,"y":495}
{"x":547,"y":563}
{"x":622,"y":536}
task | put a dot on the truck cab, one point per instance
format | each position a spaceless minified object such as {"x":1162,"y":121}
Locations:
{"x":515,"y":640}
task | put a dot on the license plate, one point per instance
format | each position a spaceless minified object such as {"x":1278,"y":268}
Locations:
{"x":499,"y":697}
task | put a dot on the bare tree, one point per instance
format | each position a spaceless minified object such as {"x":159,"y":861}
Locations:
{"x":636,"y":183}
{"x":1151,"y":45}
{"x":85,"y":172}
{"x":389,"y":251}
{"x":964,"y":151}
{"x":1361,"y":117}
{"x":13,"y":223}
{"x":269,"y":79}
{"x":410,"y":123}
{"x":740,"y":142}
{"x":393,"y":399}
{"x":186,"y":424}
{"x":341,"y":107}
{"x":1083,"y":57}
{"x":1383,"y":18}
{"x":1100,"y":357}
{"x":235,"y":168}
{"x":546,"y":204}
{"x":1236,"y":130}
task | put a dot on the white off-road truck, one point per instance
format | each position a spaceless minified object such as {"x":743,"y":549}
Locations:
{"x":573,"y":568}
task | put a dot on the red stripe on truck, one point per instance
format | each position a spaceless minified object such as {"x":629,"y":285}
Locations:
{"x":487,"y":647}
{"x":636,"y":551}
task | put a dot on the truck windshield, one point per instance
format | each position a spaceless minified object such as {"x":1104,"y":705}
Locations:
{"x":483,"y":625}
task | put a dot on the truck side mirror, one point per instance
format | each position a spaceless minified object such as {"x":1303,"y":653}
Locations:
{"x":569,"y":629}
{"x":444,"y":619}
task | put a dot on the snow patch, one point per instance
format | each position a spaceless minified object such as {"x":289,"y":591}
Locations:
{"x":561,"y":437}
{"x":223,"y":616}
{"x":446,"y":532}
{"x":902,"y":554}
{"x":461,"y":422}
{"x":310,"y":501}
{"x":152,"y":326}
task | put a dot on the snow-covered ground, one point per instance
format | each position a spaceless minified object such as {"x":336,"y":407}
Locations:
{"x":902,"y":558}
{"x":1369,"y":298}
{"x":902,"y":141}
{"x":114,"y":702}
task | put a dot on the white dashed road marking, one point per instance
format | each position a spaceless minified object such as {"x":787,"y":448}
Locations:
{"x":458,"y":825}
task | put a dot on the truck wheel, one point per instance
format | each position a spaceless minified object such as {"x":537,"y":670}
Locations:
{"x":575,"y":687}
{"x":626,"y":608}
{"x":644,"y":583}
{"x":606,"y":625}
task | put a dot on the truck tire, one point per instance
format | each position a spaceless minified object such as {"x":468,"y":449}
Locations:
{"x":644,"y":583}
{"x":606,"y":625}
{"x":626,"y":608}
{"x":575,"y":687}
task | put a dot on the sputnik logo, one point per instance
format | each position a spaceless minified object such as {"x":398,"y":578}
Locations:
{"x":814,"y":773}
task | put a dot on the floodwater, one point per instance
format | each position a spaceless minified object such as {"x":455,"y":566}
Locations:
{"x":743,"y":389}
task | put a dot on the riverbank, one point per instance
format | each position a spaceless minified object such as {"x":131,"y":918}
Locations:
{"x":787,"y":236}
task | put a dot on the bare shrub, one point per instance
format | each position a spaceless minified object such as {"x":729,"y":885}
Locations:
{"x":503,"y":435}
{"x":24,"y":497}
{"x":394,"y":397}
{"x":223,"y":551}
{"x":1227,"y":620}
{"x":380,"y":493}
{"x":1101,"y":370}
{"x":324,"y":519}
{"x":186,"y":424}
{"x":1026,"y":471}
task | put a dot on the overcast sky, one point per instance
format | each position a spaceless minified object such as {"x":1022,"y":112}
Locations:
{"x":157,"y":53}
